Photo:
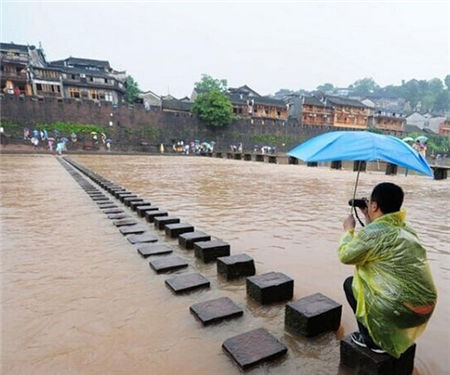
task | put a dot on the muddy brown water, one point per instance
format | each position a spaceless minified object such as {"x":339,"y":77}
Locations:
{"x":77,"y":299}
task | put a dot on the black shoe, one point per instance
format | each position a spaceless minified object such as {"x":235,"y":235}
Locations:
{"x":358,"y":339}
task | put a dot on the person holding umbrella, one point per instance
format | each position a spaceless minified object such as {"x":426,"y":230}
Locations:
{"x":392,"y":292}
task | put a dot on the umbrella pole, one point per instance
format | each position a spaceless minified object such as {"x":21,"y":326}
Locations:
{"x":356,"y":186}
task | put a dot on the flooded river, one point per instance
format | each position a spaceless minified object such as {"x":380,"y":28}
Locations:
{"x":77,"y":299}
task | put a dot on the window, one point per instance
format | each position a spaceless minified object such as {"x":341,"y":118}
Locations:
{"x":279,"y":113}
{"x":74,"y":76}
{"x":74,"y":93}
{"x":106,"y":80}
{"x":94,"y":95}
{"x":38,"y":87}
{"x":108,"y":96}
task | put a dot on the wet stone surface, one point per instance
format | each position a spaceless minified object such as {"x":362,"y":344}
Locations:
{"x":100,"y":198}
{"x":148,"y":207}
{"x":108,"y":206}
{"x":187,"y":283}
{"x":270,"y":287}
{"x":142,"y":238}
{"x":313,"y":315}
{"x":150,"y":215}
{"x":366,"y":362}
{"x":135,"y":205}
{"x":253,"y":347}
{"x":149,"y":250}
{"x":216,"y":310}
{"x":127,"y":196}
{"x":127,"y":201}
{"x":235,"y":266}
{"x":133,"y":229}
{"x":121,"y":194}
{"x":174,"y":230}
{"x":113,"y":211}
{"x":166,"y":264}
{"x":161,"y":221}
{"x":118,"y":216}
{"x":209,"y":251}
{"x":124,"y":222}
{"x":187,"y":240}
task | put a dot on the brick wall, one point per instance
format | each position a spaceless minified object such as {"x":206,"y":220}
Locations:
{"x":127,"y":122}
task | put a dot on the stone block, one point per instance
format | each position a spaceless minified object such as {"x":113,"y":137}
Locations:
{"x":128,"y":200}
{"x":124,"y":222}
{"x":216,"y":310}
{"x":150,"y":215}
{"x":104,"y":203}
{"x":113,"y":211}
{"x":174,"y":230}
{"x":108,"y":206}
{"x":100,"y":198}
{"x":359,"y":165}
{"x":122,"y":197}
{"x":209,"y":251}
{"x":253,"y":347}
{"x":235,"y":266}
{"x":187,"y":240}
{"x":311,"y":164}
{"x":187,"y":283}
{"x":336,"y":164}
{"x":119,"y":194}
{"x":148,"y":207}
{"x":133,"y":229}
{"x":118,"y":216}
{"x":142,"y":238}
{"x":166,"y":264}
{"x":161,"y":221}
{"x":366,"y":362}
{"x":270,"y":287}
{"x":157,"y":249}
{"x":391,"y":169}
{"x":135,"y":204}
{"x":313,"y":315}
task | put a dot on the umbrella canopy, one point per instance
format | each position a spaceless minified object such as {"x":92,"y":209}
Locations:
{"x":361,"y":145}
{"x":408,"y":139}
{"x":422,"y":138}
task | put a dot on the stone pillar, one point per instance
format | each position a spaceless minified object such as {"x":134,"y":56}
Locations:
{"x":391,"y":169}
{"x":337,"y":164}
{"x":361,"y":165}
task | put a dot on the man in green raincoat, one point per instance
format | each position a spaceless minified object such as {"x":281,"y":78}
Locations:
{"x":392,"y":292}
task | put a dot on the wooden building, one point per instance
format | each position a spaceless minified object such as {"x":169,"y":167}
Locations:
{"x":444,"y":128}
{"x":314,"y":112}
{"x":387,"y":120}
{"x":347,"y":113}
{"x":14,"y":62}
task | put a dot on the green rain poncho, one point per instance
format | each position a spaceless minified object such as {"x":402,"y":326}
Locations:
{"x":392,"y":284}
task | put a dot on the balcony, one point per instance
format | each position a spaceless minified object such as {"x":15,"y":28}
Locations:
{"x":22,"y":60}
{"x":13,"y":76}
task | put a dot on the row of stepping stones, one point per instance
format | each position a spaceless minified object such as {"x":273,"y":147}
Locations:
{"x":308,"y":316}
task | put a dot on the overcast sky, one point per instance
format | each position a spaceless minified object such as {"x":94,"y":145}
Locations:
{"x":166,"y":46}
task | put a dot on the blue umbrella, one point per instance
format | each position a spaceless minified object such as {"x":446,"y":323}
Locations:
{"x":361,"y":145}
{"x":422,"y":138}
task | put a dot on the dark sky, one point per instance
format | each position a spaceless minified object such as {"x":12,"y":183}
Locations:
{"x":166,"y":46}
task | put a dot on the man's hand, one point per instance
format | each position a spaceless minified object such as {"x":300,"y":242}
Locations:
{"x":349,"y":223}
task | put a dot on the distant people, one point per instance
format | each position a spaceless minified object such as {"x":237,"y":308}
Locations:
{"x":60,"y":147}
{"x":45,"y":135}
{"x":240,"y":147}
{"x":50,"y":142}
{"x":392,"y":292}
{"x":26,"y":133}
{"x":108,"y":144}
{"x":186,"y":149}
{"x":416,"y":146}
{"x":423,"y":149}
{"x":73,"y":137}
{"x":161,"y":148}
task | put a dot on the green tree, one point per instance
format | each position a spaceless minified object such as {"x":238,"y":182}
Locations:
{"x":326,"y":87}
{"x":131,"y":90}
{"x":364,"y":86}
{"x":212,"y":104}
{"x":447,"y":81}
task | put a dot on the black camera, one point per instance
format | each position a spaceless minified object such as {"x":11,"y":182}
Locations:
{"x":360,"y":203}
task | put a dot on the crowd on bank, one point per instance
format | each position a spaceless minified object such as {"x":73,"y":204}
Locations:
{"x":190,"y":147}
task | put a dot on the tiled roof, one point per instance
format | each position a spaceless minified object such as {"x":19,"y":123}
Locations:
{"x":337,"y":100}
{"x":83,"y":62}
{"x":13,"y":46}
{"x":176,"y":105}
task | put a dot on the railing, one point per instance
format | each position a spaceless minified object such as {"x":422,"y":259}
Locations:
{"x":20,"y":76}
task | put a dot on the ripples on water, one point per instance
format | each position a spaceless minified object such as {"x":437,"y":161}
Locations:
{"x":79,"y":300}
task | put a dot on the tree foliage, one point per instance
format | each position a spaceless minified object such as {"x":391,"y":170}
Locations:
{"x":131,"y":90}
{"x":212,"y":104}
{"x":326,"y":87}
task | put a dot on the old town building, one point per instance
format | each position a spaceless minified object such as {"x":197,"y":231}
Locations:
{"x":248,"y":103}
{"x":14,"y":62}
{"x":347,"y":113}
{"x":314,"y":112}
{"x":90,"y":79}
{"x":387,"y":120}
{"x":444,"y":128}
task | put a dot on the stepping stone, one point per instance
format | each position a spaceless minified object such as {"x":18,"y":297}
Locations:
{"x":133,"y":229}
{"x":122,"y":197}
{"x":113,"y":211}
{"x":134,"y":205}
{"x":118,"y":216}
{"x":236,"y":266}
{"x":253,"y":347}
{"x":96,"y":194}
{"x":168,"y":264}
{"x":313,"y":315}
{"x":107,"y":206}
{"x":104,"y":203}
{"x":187,"y":240}
{"x":366,"y":362}
{"x":129,"y":198}
{"x":150,"y":215}
{"x":128,"y":201}
{"x":174,"y":230}
{"x":161,"y":221}
{"x":270,"y":287}
{"x":142,"y":209}
{"x":142,"y":238}
{"x":124,"y":222}
{"x":187,"y":283}
{"x":99,"y":198}
{"x":119,"y":194}
{"x":159,"y":249}
{"x":216,"y":310}
{"x":209,"y":251}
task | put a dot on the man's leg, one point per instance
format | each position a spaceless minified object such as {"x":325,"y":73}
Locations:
{"x":352,"y":302}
